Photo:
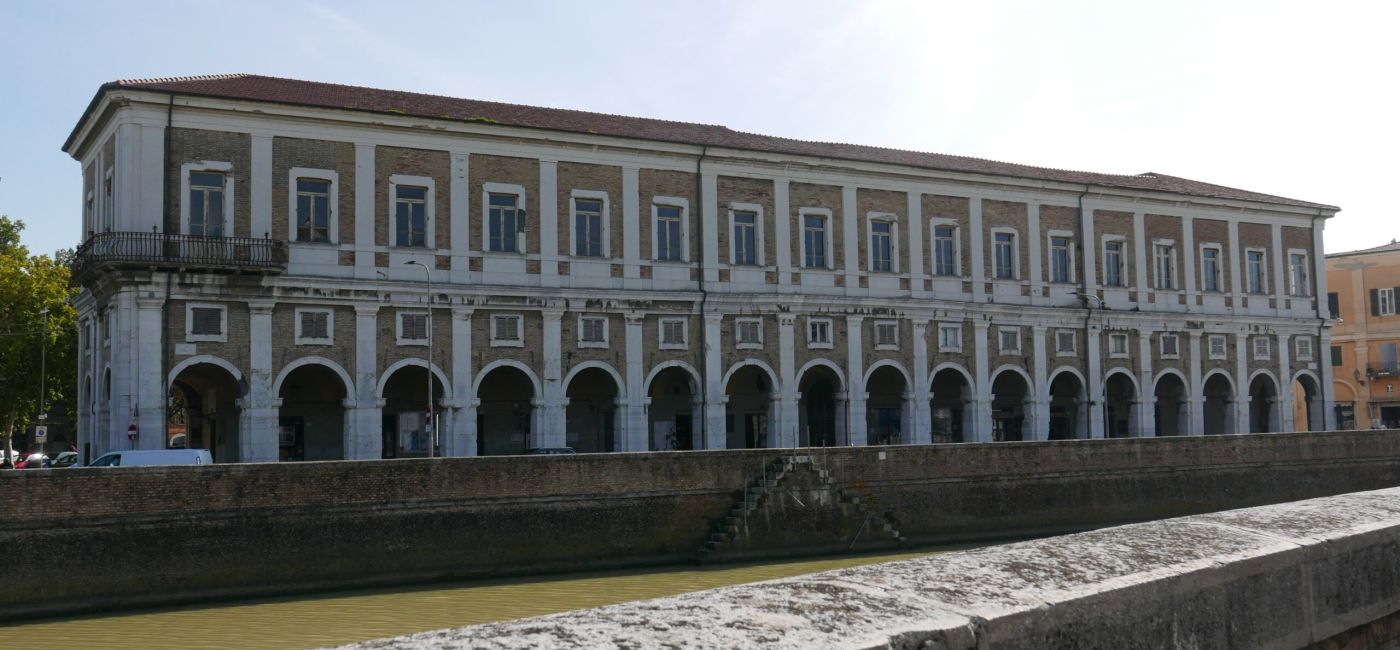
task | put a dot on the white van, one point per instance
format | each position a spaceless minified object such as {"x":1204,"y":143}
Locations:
{"x":149,"y":457}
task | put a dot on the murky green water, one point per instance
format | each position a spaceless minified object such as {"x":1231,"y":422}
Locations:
{"x":345,"y":617}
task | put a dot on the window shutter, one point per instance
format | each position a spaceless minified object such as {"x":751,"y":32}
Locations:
{"x":1375,"y":302}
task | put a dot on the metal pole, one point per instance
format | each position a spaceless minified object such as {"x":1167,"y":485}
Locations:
{"x":432,"y":426}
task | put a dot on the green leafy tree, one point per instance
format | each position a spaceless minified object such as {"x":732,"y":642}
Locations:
{"x":36,"y":321}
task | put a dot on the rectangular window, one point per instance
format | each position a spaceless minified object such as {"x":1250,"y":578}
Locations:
{"x":748,"y":332}
{"x":1218,"y":346}
{"x":1333,"y":304}
{"x":1383,"y":301}
{"x":814,"y":241}
{"x":945,"y":251}
{"x":313,"y":326}
{"x":668,"y":233}
{"x":1303,"y":348}
{"x":592,"y":331}
{"x":413,"y":328}
{"x":1298,"y":274}
{"x":1262,"y":349}
{"x":506,"y":330}
{"x":1164,"y":257}
{"x":1210,"y":269}
{"x":950,"y":338}
{"x":881,"y":246}
{"x":819,"y":333}
{"x":745,"y":238}
{"x":109,"y":204}
{"x":207,"y":204}
{"x":1170,"y":346}
{"x":1004,"y":255}
{"x":1060,"y":260}
{"x":1390,"y":363}
{"x":206,"y":321}
{"x":673,"y":333}
{"x":1113,"y":263}
{"x":1254,"y":272}
{"x":1064,"y":343}
{"x":588,"y":227}
{"x":504,"y":224}
{"x":1336,"y":356}
{"x":1118,"y":345}
{"x":1008,"y":340}
{"x":313,"y":210}
{"x":411,"y":216}
{"x":886,"y":335}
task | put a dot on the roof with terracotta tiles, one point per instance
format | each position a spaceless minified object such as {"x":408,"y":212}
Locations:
{"x":278,"y":90}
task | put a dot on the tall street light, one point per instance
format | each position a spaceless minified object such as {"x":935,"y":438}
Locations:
{"x":432,"y":430}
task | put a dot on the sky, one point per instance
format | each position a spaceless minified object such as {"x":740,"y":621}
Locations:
{"x":1288,"y":98}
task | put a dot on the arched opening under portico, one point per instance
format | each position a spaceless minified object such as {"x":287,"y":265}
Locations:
{"x":674,"y":410}
{"x":1010,"y":392}
{"x":820,"y":412}
{"x":204,"y":411}
{"x":887,"y":407}
{"x":1170,"y":405}
{"x":311,"y":420}
{"x":749,"y":409}
{"x":591,"y":418}
{"x":1263,"y":404}
{"x":1067,"y":418}
{"x":951,"y":393}
{"x":1120,"y":411}
{"x":1308,"y":413}
{"x":504,"y":412}
{"x":1217,"y":411}
{"x":405,"y":432}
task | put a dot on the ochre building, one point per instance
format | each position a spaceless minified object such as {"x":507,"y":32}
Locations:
{"x":1366,"y":335}
{"x":279,"y":270}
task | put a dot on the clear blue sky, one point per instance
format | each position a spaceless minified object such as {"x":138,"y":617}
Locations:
{"x":1288,"y":98}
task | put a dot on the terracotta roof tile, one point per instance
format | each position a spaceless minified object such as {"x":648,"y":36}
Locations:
{"x":326,"y":95}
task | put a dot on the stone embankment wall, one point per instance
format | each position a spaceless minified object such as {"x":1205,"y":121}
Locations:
{"x":1311,"y":574}
{"x":95,"y":537}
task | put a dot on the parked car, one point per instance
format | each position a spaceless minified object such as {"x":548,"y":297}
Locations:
{"x":33,"y":460}
{"x":549,"y":451}
{"x":64,"y":459}
{"x":147,"y":457}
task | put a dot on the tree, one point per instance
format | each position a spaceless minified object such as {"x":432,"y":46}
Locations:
{"x":36,"y":321}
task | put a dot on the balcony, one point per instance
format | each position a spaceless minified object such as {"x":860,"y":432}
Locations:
{"x":111,"y":251}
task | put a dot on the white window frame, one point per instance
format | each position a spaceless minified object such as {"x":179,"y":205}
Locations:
{"x":497,"y":341}
{"x":109,"y":197}
{"x":522,"y":243}
{"x":606,"y":228}
{"x":1015,"y":253}
{"x":1157,"y":246}
{"x":578,"y":331}
{"x":1219,"y":267}
{"x":1122,"y":260}
{"x":1385,"y":301}
{"x":332,"y":198}
{"x":1001,"y":340}
{"x":875,"y":334}
{"x":1294,"y":290}
{"x":671,"y":202}
{"x":1263,"y":348}
{"x":1050,"y":237}
{"x":225,"y":168}
{"x":429,"y":209}
{"x":191,"y":337}
{"x":1119,"y":336}
{"x":751,"y":345}
{"x":398,"y":328}
{"x":661,"y":333}
{"x":1298,"y":348}
{"x":813,"y":344}
{"x":1073,"y":338}
{"x":758,"y":257}
{"x":956,"y":329}
{"x":302,"y":339}
{"x":870,"y":220}
{"x":825,"y":214}
{"x":1263,"y":272}
{"x":943,"y":222}
{"x":1162,"y":346}
{"x":1224,"y":352}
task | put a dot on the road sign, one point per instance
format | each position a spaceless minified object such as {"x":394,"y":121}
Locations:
{"x":41,"y":434}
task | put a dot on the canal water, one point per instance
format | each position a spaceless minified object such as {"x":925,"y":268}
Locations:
{"x":348,"y":616}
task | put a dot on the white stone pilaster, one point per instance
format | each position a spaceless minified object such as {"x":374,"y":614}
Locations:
{"x":977,"y":424}
{"x":1241,"y":395}
{"x":709,"y":242}
{"x":1279,"y":273}
{"x":364,"y":215}
{"x":1089,"y":250}
{"x":551,"y":434}
{"x":459,"y":215}
{"x":922,"y":433}
{"x":631,"y":223}
{"x":1238,"y":266}
{"x":850,"y":244}
{"x":257,"y":425}
{"x":714,"y":432}
{"x":461,"y":439}
{"x":1094,"y":400}
{"x":1039,"y":413}
{"x":549,"y":229}
{"x":857,"y":431}
{"x":786,"y":429}
{"x":1195,"y":424}
{"x":917,"y":271}
{"x":1147,"y":420}
{"x":782,"y":229}
{"x":1140,"y":259}
{"x":1188,"y":262}
{"x":1285,"y":384}
{"x":260,"y":192}
{"x":636,"y":434}
{"x":149,"y":389}
{"x":365,"y":441}
{"x":1036,"y":272}
{"x":978,"y":239}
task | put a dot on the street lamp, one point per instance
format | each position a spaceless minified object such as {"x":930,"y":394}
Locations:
{"x":43,"y":369}
{"x":432,"y":430}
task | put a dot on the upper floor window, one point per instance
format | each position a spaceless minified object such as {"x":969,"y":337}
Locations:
{"x":668,"y":217}
{"x":1255,"y":273}
{"x":1171,"y":347}
{"x":314,"y":326}
{"x":1004,"y":255}
{"x":505,"y":222}
{"x":206,"y":322}
{"x":588,"y":227}
{"x":673,"y":333}
{"x":411,"y":215}
{"x":1065,"y":341}
{"x":1164,"y":259}
{"x":1298,"y":274}
{"x":1383,"y":302}
{"x":1210,"y":268}
{"x":507,"y":331}
{"x":1219,"y":346}
{"x":1334,"y":305}
{"x":1303,"y":348}
{"x":109,"y":203}
{"x":748,"y":333}
{"x":313,"y":206}
{"x":745,"y":243}
{"x":945,"y":250}
{"x":592,"y":331}
{"x":413,"y":328}
{"x":814,"y":241}
{"x":1113,"y":263}
{"x":886,"y":335}
{"x":819,"y":332}
{"x":1262,"y":348}
{"x":1009,"y":340}
{"x":206,"y":209}
{"x":1118,"y":345}
{"x":1336,"y":355}
{"x":1061,"y":259}
{"x":882,"y":246}
{"x":950,"y":338}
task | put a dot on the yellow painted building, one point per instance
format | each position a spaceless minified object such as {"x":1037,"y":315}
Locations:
{"x":1365,"y":351}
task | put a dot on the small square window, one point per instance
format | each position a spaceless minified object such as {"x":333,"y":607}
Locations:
{"x":592,"y":331}
{"x":1171,"y":347}
{"x":314,"y":326}
{"x":819,"y":333}
{"x":1009,"y":340}
{"x":1218,"y":346}
{"x":950,"y":338}
{"x":673,"y":333}
{"x":507,"y":331}
{"x":1065,"y":342}
{"x":1118,"y":345}
{"x":205,"y":322}
{"x":1303,"y":347}
{"x":886,"y":335}
{"x":748,"y":333}
{"x":1262,"y":350}
{"x":413,"y":328}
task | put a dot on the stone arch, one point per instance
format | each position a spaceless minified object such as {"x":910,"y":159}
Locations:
{"x":1071,"y":370}
{"x":950,"y":365}
{"x":197,"y":360}
{"x":674,"y":363}
{"x":829,"y":365}
{"x":1013,"y":369}
{"x":821,"y":404}
{"x":1308,"y":405}
{"x":674,"y":410}
{"x":212,"y":389}
{"x":313,"y":423}
{"x":1265,"y":404}
{"x":1068,"y":412}
{"x":1124,"y":371}
{"x":1218,"y":411}
{"x":1182,"y":376}
{"x":593,"y":417}
{"x":759,"y":363}
{"x":1122,"y":404}
{"x":750,"y":416}
{"x":948,"y":402}
{"x":612,"y":372}
{"x":486,"y":370}
{"x":320,"y":361}
{"x":1012,"y":419}
{"x":404,"y":363}
{"x":1266,"y":372}
{"x":888,"y":408}
{"x":908,"y":380}
{"x":1170,"y":404}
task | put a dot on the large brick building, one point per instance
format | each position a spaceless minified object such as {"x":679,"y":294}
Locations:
{"x":256,"y":250}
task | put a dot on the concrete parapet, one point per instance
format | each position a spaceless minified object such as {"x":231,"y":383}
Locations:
{"x":1280,"y":576}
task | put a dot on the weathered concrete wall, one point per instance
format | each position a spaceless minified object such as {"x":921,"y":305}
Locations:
{"x":151,"y":535}
{"x":1316,"y":573}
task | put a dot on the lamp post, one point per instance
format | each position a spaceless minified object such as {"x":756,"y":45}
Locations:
{"x":44,"y":370}
{"x":432,"y":429}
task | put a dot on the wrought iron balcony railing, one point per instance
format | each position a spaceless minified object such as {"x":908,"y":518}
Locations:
{"x":108,"y":251}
